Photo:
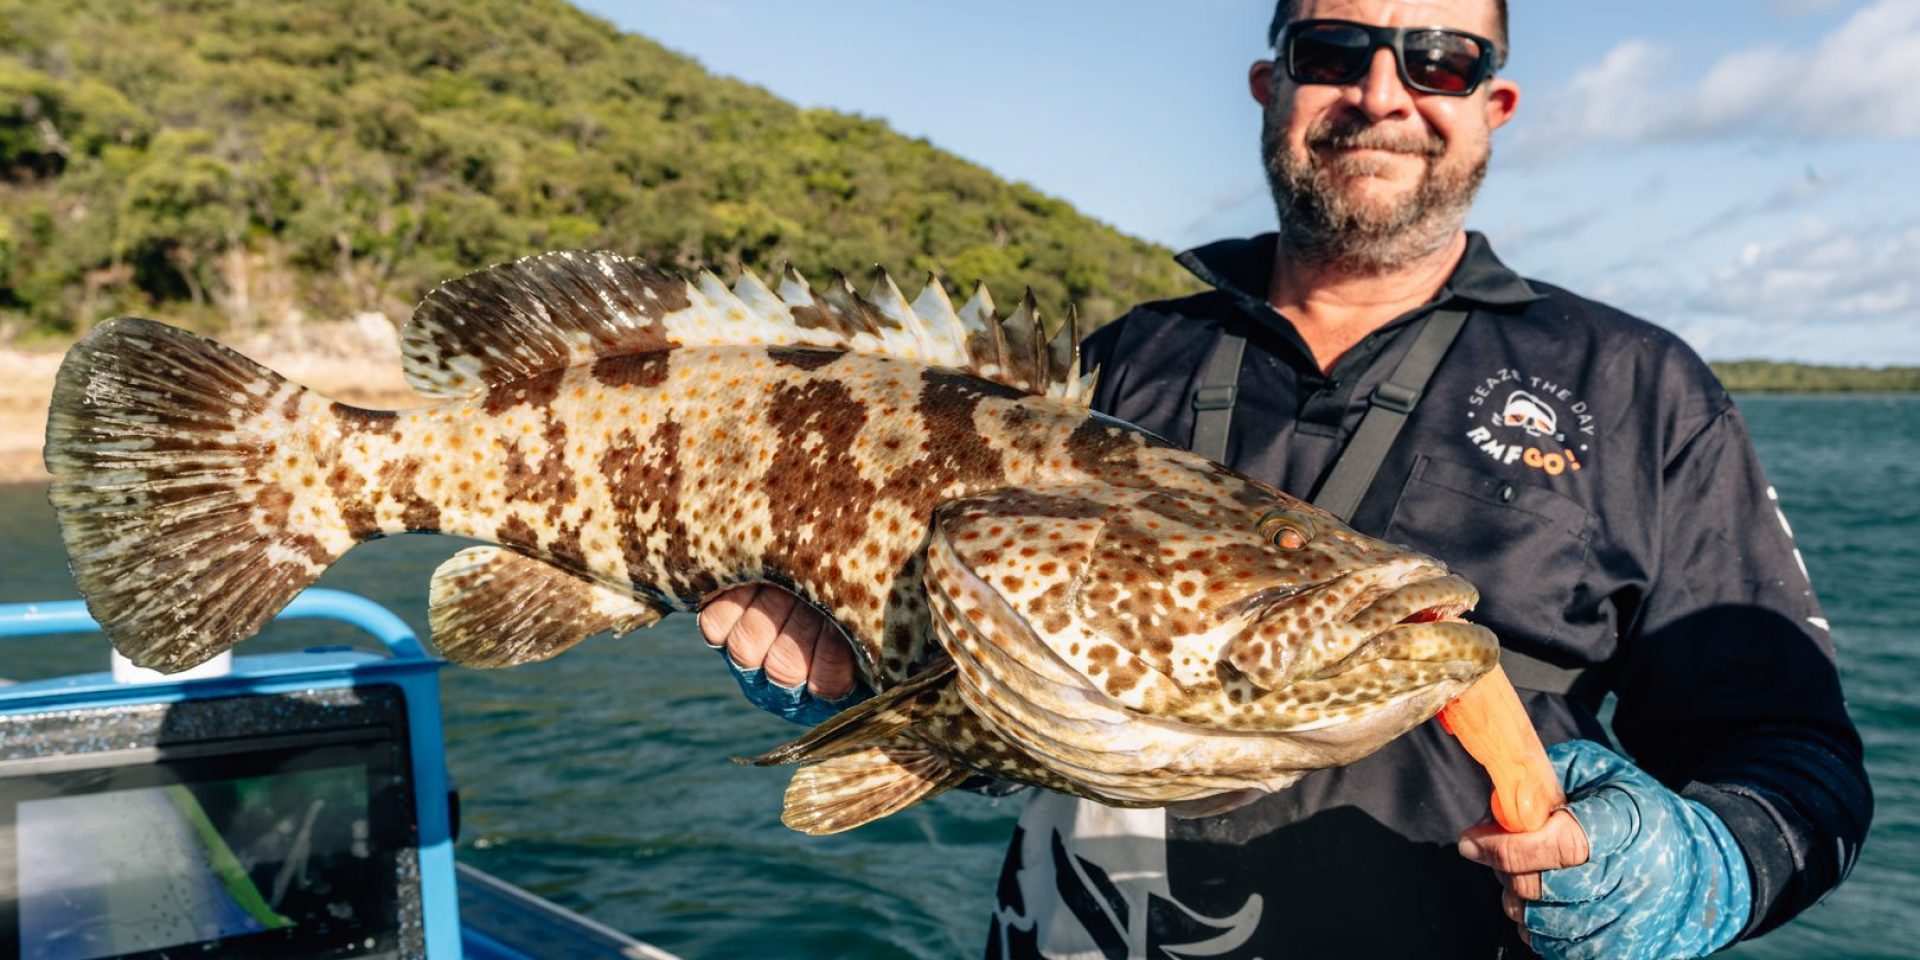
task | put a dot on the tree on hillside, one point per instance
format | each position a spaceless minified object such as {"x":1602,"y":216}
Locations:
{"x":196,"y":159}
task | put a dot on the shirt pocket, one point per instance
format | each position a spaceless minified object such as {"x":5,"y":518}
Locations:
{"x":1526,"y":548}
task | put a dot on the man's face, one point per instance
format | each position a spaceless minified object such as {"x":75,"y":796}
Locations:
{"x":1374,"y":174}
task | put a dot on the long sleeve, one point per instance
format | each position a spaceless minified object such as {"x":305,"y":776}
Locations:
{"x":1728,"y":689}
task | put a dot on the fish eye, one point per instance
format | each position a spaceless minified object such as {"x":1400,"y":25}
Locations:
{"x":1285,"y":529}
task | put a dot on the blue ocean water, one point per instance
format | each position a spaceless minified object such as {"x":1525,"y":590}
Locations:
{"x":601,"y":779}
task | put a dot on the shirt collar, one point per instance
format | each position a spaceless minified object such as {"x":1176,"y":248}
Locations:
{"x":1244,"y":267}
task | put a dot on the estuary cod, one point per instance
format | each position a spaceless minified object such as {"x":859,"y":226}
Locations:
{"x":1036,"y":591}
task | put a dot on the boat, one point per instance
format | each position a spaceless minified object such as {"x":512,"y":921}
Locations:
{"x":287,"y":805}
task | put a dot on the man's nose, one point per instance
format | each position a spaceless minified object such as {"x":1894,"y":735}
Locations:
{"x":1382,"y":95}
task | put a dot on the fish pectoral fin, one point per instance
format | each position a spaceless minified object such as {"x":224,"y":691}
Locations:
{"x":868,"y":723}
{"x":492,"y":607}
{"x":863,"y":786}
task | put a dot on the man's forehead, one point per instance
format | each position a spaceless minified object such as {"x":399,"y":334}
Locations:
{"x":1474,"y":16}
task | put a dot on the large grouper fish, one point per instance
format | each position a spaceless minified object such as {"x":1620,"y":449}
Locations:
{"x":1036,"y":591}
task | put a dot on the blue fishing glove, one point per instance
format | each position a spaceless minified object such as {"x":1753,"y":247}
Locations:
{"x":797,"y":704}
{"x":1663,"y":878}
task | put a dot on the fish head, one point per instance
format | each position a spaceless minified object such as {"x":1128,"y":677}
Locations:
{"x":1097,"y":618}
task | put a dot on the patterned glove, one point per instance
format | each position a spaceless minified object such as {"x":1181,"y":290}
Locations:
{"x":794,"y":703}
{"x":1663,"y":877}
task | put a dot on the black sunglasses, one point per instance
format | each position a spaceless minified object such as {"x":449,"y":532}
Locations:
{"x":1452,"y":63}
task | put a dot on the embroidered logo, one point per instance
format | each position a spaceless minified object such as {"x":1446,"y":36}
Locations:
{"x":1531,"y":421}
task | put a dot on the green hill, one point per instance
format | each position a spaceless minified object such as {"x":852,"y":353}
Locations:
{"x":230,"y":163}
{"x":1766,"y":376}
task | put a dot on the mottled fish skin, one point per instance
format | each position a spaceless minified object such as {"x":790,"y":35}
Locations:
{"x":677,"y":473}
{"x":1126,"y":621}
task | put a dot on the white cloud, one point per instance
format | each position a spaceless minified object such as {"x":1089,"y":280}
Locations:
{"x":1825,"y":273}
{"x":1816,"y":290}
{"x":1857,"y":81}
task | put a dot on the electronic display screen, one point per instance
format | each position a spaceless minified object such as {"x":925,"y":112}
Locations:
{"x":285,"y":852}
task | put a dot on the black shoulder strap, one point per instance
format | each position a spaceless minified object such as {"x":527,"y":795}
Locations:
{"x":1213,"y":401}
{"x":1353,"y":474}
{"x":1387,"y":411}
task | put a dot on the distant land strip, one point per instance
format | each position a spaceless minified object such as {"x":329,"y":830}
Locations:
{"x":1769,"y":376}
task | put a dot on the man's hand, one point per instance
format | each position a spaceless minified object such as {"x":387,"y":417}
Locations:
{"x":788,"y":658}
{"x":1630,"y":871}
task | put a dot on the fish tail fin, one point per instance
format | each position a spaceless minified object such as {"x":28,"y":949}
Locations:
{"x":167,"y":452}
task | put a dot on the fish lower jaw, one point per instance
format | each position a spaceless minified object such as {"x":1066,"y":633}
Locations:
{"x":1120,"y":757}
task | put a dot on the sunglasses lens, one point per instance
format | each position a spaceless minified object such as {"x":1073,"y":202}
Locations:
{"x":1443,"y":62}
{"x":1329,"y":53}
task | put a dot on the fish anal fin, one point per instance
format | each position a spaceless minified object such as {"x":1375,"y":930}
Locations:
{"x":878,"y":720}
{"x":492,"y":607}
{"x":865,"y":785}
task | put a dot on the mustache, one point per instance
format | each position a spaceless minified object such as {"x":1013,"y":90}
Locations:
{"x":1348,"y":134}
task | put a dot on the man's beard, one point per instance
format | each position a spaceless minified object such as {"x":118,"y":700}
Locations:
{"x":1322,"y":223}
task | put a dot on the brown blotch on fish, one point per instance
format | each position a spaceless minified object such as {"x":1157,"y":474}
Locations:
{"x":383,"y":423}
{"x":550,"y":481}
{"x":517,"y":532}
{"x":536,"y":391}
{"x":804,"y":358}
{"x":399,"y":481}
{"x":355,"y":512}
{"x":643,"y":370}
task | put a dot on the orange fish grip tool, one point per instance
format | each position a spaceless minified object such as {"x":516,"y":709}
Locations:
{"x":1492,"y":725}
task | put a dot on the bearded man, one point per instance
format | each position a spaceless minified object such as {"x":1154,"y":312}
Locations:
{"x":1582,"y":467}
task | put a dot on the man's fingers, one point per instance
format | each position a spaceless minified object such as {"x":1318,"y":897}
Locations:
{"x":1515,"y":907}
{"x":1526,"y":886}
{"x":1561,"y":843}
{"x":790,"y":658}
{"x":832,"y":674}
{"x":723,"y":611}
{"x":758,"y":626}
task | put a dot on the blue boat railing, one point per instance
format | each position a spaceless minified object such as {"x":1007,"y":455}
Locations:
{"x":487,"y":919}
{"x":70,"y":616}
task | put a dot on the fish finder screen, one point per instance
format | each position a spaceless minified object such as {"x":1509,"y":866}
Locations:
{"x":257,"y":855}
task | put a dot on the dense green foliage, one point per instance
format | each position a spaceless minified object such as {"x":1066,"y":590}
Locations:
{"x":1766,"y":376}
{"x":212,"y":161}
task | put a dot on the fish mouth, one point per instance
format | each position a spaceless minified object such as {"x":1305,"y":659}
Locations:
{"x":1436,"y":613}
{"x":1419,"y":622}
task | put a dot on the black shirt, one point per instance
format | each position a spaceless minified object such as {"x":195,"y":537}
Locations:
{"x":1586,"y":471}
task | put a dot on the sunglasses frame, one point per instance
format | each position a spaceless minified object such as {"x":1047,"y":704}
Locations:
{"x":1393,"y":38}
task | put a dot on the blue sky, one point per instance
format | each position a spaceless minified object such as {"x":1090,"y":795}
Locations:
{"x":1745,"y":172}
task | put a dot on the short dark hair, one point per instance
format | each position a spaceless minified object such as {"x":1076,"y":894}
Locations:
{"x":1287,"y":10}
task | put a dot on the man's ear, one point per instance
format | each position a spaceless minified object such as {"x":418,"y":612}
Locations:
{"x":1260,"y":82}
{"x":1503,"y":98}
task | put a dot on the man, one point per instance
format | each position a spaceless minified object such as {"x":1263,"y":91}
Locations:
{"x":1583,"y":468}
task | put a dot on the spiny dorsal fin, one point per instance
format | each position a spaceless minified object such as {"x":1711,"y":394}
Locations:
{"x":555,"y":310}
{"x":491,"y":607}
{"x":861,"y":787}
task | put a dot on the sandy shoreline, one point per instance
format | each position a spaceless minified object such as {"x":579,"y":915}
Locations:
{"x":356,"y":362}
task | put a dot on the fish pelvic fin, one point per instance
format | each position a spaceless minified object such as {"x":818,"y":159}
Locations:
{"x":518,"y":320}
{"x":863,"y":786}
{"x":878,"y":720}
{"x":175,"y":463}
{"x":492,"y":607}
